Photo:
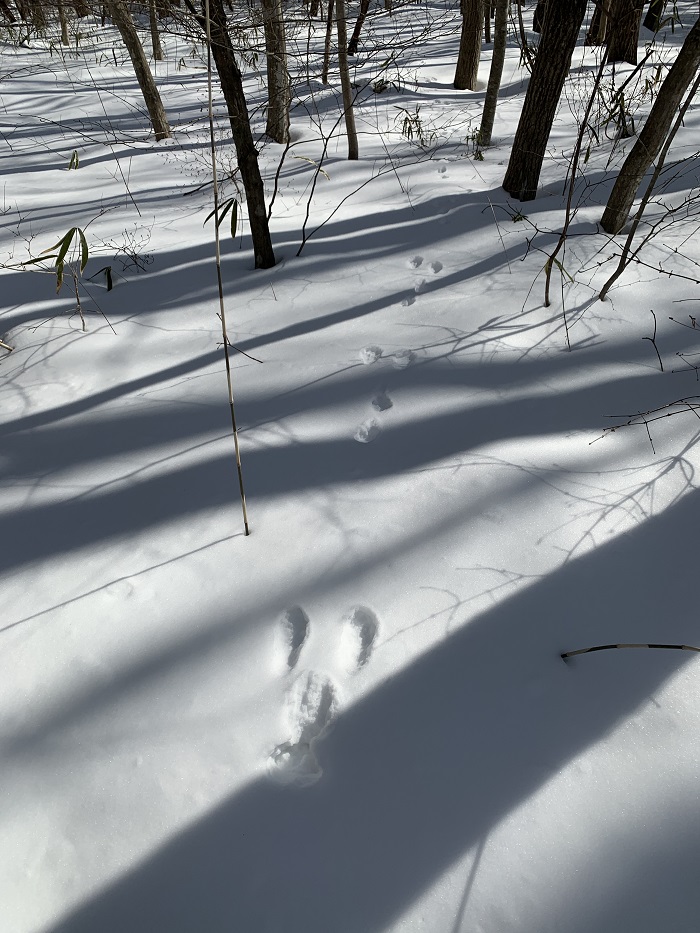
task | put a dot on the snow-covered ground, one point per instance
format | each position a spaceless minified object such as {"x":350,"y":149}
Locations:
{"x":356,"y":719}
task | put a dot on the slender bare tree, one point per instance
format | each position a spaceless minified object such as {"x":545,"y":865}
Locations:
{"x":557,"y":42}
{"x":653,"y":133}
{"x":500,"y":38}
{"x":231,"y":82}
{"x":346,"y":85}
{"x":121,"y":17}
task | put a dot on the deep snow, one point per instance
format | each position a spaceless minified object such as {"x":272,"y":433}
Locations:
{"x":356,"y":719}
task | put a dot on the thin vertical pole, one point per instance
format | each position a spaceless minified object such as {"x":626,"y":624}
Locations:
{"x":222,"y":310}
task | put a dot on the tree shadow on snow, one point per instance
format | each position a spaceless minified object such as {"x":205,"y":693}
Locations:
{"x":422,"y":768}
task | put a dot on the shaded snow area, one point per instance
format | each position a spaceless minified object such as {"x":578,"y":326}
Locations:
{"x":356,"y":719}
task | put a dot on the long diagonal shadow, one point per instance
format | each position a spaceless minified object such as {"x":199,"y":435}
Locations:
{"x":421,"y":769}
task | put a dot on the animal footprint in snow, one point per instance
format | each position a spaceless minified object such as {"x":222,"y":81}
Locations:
{"x":357,"y":640}
{"x":408,"y":300}
{"x":295,"y":629}
{"x":415,"y":262}
{"x":367,"y":431}
{"x":370,"y":355}
{"x":419,"y":287}
{"x":435,"y":267}
{"x":312,"y":707}
{"x":381,"y":402}
{"x":402,"y":359}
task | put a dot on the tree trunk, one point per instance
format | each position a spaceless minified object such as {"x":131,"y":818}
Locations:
{"x":82,"y":8}
{"x":125,"y":24}
{"x":63,"y":20}
{"x":469,"y":46}
{"x":327,"y":44}
{"x":487,"y":21}
{"x":155,"y":36}
{"x":623,"y":36}
{"x":246,"y":153}
{"x":7,"y":12}
{"x":599,"y":23}
{"x":539,"y":16}
{"x":559,"y":35}
{"x":361,"y":17}
{"x":279,"y":91}
{"x":654,"y":15}
{"x":37,"y":14}
{"x":500,"y":38}
{"x":340,"y":22}
{"x":653,"y":133}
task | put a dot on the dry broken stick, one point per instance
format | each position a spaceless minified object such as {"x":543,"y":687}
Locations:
{"x":571,"y":654}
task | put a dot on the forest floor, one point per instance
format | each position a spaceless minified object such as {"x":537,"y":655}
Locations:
{"x":357,"y":718}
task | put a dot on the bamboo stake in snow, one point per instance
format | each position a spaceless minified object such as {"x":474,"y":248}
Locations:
{"x":222,"y":311}
{"x":570,"y":654}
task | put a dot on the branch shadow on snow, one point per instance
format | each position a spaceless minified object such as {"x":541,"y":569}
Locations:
{"x":429,"y":762}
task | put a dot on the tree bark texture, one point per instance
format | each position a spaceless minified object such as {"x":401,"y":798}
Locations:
{"x":500,"y":39}
{"x":538,"y":16}
{"x":654,"y":132}
{"x":469,"y":46}
{"x":623,"y":30}
{"x":246,"y":153}
{"x":63,"y":20}
{"x":155,"y":34}
{"x":279,"y":90}
{"x":125,"y":24}
{"x":341,"y":26}
{"x":557,"y":43}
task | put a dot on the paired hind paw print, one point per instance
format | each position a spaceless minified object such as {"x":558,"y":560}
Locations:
{"x":312,"y":701}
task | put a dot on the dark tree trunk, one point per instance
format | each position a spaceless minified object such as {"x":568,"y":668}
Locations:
{"x":500,"y":39}
{"x":469,"y":46}
{"x":246,"y":153}
{"x":359,"y":23}
{"x":119,"y":12}
{"x":7,"y":12}
{"x":654,"y":15}
{"x":623,"y":34}
{"x":559,"y":35}
{"x":37,"y":14}
{"x":599,"y":23}
{"x":327,"y":44}
{"x":654,"y":132}
{"x":539,"y":16}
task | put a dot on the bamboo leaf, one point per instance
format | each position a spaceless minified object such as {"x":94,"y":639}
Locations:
{"x":83,"y":249}
{"x":65,"y":245}
{"x":234,"y":219}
